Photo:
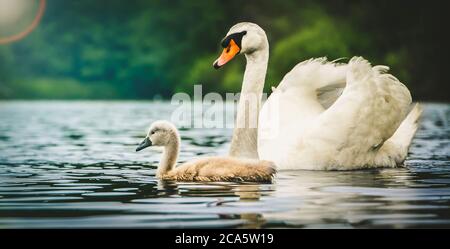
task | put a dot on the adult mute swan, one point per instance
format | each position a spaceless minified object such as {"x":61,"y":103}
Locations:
{"x":323,"y":115}
{"x":163,"y":133}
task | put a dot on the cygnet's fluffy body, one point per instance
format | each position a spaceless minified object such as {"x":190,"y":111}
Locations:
{"x":222,"y":169}
{"x":163,"y":133}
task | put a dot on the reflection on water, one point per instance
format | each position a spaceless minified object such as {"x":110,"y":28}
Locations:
{"x":72,"y":164}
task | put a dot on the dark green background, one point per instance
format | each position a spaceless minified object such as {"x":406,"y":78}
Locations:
{"x":115,"y":49}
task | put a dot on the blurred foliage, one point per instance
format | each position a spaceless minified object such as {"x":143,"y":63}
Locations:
{"x":111,"y":49}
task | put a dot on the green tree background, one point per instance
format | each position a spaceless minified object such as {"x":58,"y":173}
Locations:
{"x":139,"y":49}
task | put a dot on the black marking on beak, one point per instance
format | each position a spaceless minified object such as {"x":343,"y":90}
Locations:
{"x":216,"y":65}
{"x":237,"y":37}
{"x":144,"y":144}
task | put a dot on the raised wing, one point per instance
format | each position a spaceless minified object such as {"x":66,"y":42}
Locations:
{"x":371,"y":108}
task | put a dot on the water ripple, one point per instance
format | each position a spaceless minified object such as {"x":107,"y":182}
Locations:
{"x":61,"y":166}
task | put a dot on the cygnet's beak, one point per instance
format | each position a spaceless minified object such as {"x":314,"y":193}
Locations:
{"x":144,"y":144}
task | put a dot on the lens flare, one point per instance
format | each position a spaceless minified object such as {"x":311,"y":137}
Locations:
{"x":11,"y":11}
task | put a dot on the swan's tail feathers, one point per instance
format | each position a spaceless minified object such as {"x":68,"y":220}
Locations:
{"x":404,"y":135}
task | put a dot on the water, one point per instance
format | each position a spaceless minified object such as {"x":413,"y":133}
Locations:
{"x":73,"y":164}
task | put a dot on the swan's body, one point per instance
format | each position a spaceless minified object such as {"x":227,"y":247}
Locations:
{"x":163,"y":133}
{"x":325,"y":115}
{"x":366,"y":108}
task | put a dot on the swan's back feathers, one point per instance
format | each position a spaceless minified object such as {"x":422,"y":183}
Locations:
{"x":223,"y":169}
{"x":302,"y":95}
{"x":324,"y":80}
{"x":327,"y":95}
{"x":335,"y":116}
{"x":314,"y":74}
{"x":388,"y":99}
{"x":369,"y":111}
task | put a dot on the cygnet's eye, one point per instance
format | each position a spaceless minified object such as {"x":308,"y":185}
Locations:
{"x":152,"y":132}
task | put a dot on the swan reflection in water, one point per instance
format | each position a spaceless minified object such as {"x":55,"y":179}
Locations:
{"x":302,"y":198}
{"x":226,"y":200}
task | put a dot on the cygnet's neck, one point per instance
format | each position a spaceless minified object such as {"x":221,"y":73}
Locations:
{"x":170,"y":155}
{"x":244,"y":140}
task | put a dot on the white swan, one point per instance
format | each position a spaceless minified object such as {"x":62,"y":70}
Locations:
{"x":323,"y":115}
{"x":163,"y":133}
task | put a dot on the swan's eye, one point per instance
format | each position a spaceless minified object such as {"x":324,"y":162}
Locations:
{"x":152,"y":132}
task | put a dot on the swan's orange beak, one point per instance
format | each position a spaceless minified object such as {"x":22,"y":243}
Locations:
{"x":228,"y":53}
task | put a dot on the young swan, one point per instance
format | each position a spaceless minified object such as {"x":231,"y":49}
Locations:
{"x":163,"y":133}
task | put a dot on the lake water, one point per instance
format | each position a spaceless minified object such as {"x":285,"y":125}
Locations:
{"x":74,"y":165}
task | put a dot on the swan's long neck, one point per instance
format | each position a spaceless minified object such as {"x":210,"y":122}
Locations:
{"x":244,"y":140}
{"x":169,"y":156}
